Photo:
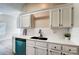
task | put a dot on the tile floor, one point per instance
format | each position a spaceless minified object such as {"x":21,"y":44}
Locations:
{"x":6,"y":47}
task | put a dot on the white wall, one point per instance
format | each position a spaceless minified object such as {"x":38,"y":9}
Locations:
{"x":9,"y":14}
{"x":11,"y":24}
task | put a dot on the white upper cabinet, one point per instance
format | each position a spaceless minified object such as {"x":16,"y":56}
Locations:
{"x":66,"y":16}
{"x":61,"y":17}
{"x":25,"y":21}
{"x":55,"y":18}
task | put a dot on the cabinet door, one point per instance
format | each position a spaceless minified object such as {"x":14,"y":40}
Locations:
{"x":53,"y":52}
{"x":41,"y":51}
{"x":55,"y":18}
{"x":25,"y":20}
{"x":30,"y":50}
{"x":66,"y":16}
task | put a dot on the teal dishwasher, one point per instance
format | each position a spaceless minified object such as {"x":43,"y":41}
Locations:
{"x":20,"y":46}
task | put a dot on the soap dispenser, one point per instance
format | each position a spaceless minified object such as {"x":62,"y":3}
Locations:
{"x":25,"y":31}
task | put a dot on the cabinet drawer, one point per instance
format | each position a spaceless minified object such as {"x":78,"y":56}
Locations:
{"x":53,"y":52}
{"x":64,"y":53}
{"x":41,"y":51}
{"x":30,"y":43}
{"x":69,"y":49}
{"x":54,"y":47}
{"x":41,"y":44}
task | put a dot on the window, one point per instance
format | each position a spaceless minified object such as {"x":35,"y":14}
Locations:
{"x":2,"y":29}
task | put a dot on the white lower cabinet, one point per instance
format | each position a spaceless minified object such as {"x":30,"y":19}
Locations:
{"x":54,"y":49}
{"x":30,"y":50}
{"x":41,"y":51}
{"x":45,"y":48}
{"x":59,"y":49}
{"x":41,"y":48}
{"x":36,"y":48}
{"x":35,"y":51}
{"x":41,"y":44}
{"x":30,"y":47}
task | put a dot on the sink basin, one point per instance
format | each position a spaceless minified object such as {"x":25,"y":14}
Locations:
{"x":40,"y":38}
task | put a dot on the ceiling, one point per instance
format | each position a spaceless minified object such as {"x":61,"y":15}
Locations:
{"x":10,"y":7}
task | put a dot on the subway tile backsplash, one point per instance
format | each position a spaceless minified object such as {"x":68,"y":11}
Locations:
{"x":47,"y":32}
{"x":75,"y":34}
{"x":54,"y":33}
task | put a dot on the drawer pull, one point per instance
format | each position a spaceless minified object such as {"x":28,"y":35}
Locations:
{"x":34,"y":47}
{"x":50,"y":51}
{"x":64,"y":54}
{"x":61,"y":53}
{"x":54,"y":47}
{"x":69,"y":49}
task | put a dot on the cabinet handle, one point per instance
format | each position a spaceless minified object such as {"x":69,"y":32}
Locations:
{"x":64,"y":54}
{"x":51,"y":25}
{"x":61,"y":53}
{"x":59,"y":10}
{"x":69,"y":49}
{"x":60,"y":24}
{"x":50,"y":51}
{"x":55,"y":47}
{"x":33,"y":47}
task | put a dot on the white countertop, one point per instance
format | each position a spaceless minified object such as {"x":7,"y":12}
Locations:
{"x":58,"y":41}
{"x":63,"y":41}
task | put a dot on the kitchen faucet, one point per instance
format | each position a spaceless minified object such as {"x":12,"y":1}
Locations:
{"x":40,"y":32}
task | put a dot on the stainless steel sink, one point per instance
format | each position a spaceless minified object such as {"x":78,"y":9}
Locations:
{"x":40,"y":38}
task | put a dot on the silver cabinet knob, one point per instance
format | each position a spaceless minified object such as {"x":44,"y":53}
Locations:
{"x":69,"y":49}
{"x":55,"y":47}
